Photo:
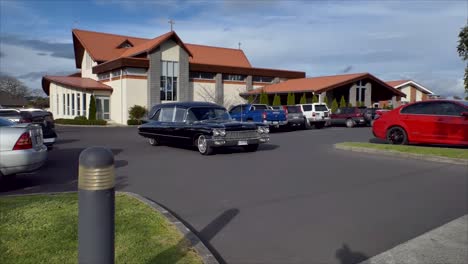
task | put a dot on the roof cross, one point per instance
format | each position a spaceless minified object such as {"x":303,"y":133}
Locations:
{"x":172,"y":23}
{"x":239,"y":45}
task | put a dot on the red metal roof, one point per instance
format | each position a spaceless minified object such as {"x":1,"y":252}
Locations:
{"x":319,"y":84}
{"x":75,"y":82}
{"x":218,"y":56}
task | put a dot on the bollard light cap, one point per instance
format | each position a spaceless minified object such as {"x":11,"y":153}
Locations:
{"x":96,"y":157}
{"x":96,"y":169}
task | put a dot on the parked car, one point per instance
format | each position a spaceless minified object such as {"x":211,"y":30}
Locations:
{"x":295,"y":116}
{"x":316,"y":114}
{"x":350,"y":116}
{"x":204,"y":125}
{"x":21,"y":147}
{"x":35,"y":116}
{"x":426,"y":122}
{"x":260,"y":113}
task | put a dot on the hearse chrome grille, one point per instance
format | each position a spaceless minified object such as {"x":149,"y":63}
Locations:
{"x":241,"y":134}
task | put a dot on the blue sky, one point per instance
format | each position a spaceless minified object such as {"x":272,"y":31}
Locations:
{"x":390,"y":39}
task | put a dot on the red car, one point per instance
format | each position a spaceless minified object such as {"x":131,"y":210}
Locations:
{"x":427,"y":122}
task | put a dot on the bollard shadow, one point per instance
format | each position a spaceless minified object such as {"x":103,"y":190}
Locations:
{"x":346,"y":256}
{"x":120,"y":163}
{"x":58,"y":174}
{"x":205,"y":235}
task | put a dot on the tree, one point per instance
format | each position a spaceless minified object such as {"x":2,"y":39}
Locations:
{"x":13,"y":86}
{"x":334,"y":106}
{"x":315,"y":99}
{"x":92,"y":108}
{"x":39,"y":102}
{"x":457,"y":97}
{"x":264,"y":98}
{"x":303,"y":99}
{"x":250,"y":99}
{"x":325,"y":101}
{"x":137,"y":112}
{"x":276,"y":100}
{"x":462,"y":50}
{"x":291,"y":99}
{"x":342,"y":102}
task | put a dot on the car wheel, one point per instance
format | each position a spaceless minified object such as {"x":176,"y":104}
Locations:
{"x":349,"y":123}
{"x":154,"y":141}
{"x":203,"y":147}
{"x":397,"y":136}
{"x":251,"y":148}
{"x":306,"y":124}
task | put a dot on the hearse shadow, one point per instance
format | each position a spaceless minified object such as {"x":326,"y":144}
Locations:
{"x":346,"y":256}
{"x":223,"y":150}
{"x":58,"y":174}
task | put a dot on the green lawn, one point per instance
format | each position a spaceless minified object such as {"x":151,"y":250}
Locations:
{"x":432,"y":151}
{"x":43,"y":229}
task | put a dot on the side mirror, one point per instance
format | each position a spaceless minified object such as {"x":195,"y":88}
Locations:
{"x":465,"y":114}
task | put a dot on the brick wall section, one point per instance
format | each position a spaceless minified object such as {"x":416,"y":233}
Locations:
{"x":219,"y":89}
{"x":413,"y":94}
{"x":424,"y":97}
{"x":154,"y":78}
{"x":185,"y":92}
{"x":249,"y":83}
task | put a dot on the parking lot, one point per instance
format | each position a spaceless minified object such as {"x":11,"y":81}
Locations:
{"x":296,"y":200}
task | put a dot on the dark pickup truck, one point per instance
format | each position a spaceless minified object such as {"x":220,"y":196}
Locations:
{"x":259,"y":113}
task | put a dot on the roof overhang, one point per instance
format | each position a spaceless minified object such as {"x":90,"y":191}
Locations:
{"x":121,"y":63}
{"x":246,"y":71}
{"x":85,"y":84}
{"x":417,"y":85}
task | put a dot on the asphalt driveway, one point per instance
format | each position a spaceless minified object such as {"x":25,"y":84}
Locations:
{"x":296,"y":200}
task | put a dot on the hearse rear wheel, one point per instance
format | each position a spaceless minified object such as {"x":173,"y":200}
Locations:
{"x":203,"y":147}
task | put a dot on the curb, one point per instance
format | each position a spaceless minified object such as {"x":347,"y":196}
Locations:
{"x":194,"y":240}
{"x":404,"y":155}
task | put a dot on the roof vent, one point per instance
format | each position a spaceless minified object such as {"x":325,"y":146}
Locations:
{"x":124,"y":45}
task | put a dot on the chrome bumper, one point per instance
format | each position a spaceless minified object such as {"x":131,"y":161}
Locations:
{"x":18,"y":161}
{"x":221,"y":142}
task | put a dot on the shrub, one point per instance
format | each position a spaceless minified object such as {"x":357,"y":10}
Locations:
{"x":250,"y":99}
{"x":291,"y":99}
{"x":63,"y":121}
{"x":342,"y":102}
{"x":315,"y":99}
{"x":277,"y":100}
{"x":264,"y":98}
{"x":325,"y":101}
{"x":334,"y":106}
{"x":137,"y":112}
{"x":92,"y":108}
{"x":133,"y":122}
{"x":80,"y":118}
{"x":303,"y":99}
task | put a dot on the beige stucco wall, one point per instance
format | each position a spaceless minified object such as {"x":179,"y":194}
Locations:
{"x":406,"y":90}
{"x":57,"y":91}
{"x":418,"y":95}
{"x":203,"y":92}
{"x":117,"y":101}
{"x":87,"y":67}
{"x":231,"y":94}
{"x":135,"y":93}
{"x":170,"y":51}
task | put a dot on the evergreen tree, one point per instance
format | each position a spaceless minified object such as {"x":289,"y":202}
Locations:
{"x":334,"y":106}
{"x":264,"y":98}
{"x":315,"y":99}
{"x":325,"y":101}
{"x":303,"y":99}
{"x":342,"y":102}
{"x":250,"y":99}
{"x":291,"y":99}
{"x":276,"y":100}
{"x":92,"y":108}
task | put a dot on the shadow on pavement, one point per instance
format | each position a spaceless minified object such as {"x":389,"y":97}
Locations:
{"x":59,"y":173}
{"x":346,"y":256}
{"x":206,"y":234}
{"x":65,"y":141}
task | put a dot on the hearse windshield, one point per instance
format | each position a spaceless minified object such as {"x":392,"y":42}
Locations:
{"x":207,"y":114}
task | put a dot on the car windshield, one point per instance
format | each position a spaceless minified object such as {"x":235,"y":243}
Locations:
{"x":4,"y":122}
{"x":207,"y":113}
{"x":293,"y":109}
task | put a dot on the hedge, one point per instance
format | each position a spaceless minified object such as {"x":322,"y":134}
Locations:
{"x":64,"y":121}
{"x":133,"y":122}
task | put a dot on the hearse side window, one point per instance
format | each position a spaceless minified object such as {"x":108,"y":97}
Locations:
{"x":166,"y":114}
{"x":156,"y":116}
{"x":307,"y":107}
{"x":179,"y":115}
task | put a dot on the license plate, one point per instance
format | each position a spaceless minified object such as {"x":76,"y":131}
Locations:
{"x":275,"y":122}
{"x":242,"y":143}
{"x":295,"y":117}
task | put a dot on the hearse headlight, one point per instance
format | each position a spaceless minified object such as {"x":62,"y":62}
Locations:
{"x":266,"y":130}
{"x":219,"y":132}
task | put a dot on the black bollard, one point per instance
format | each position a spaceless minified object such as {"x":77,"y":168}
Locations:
{"x":96,"y":202}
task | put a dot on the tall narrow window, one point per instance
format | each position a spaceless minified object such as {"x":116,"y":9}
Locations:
{"x":169,"y":76}
{"x":78,"y":105}
{"x":58,"y":106}
{"x":84,"y":105}
{"x":73,"y":104}
{"x":64,"y":105}
{"x":68,"y":104}
{"x":360,"y":92}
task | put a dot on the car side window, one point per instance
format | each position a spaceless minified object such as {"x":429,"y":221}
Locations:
{"x":179,"y":115}
{"x":260,"y":107}
{"x":236,"y":109}
{"x":156,"y":115}
{"x":166,"y":114}
{"x":447,"y":108}
{"x":307,"y":108}
{"x":418,"y":109}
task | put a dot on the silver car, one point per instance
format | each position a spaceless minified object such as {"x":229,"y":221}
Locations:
{"x":22,"y":148}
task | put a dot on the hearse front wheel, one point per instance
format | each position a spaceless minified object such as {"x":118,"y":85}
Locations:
{"x":397,"y":136}
{"x":154,"y":141}
{"x":203,"y":147}
{"x":251,"y":148}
